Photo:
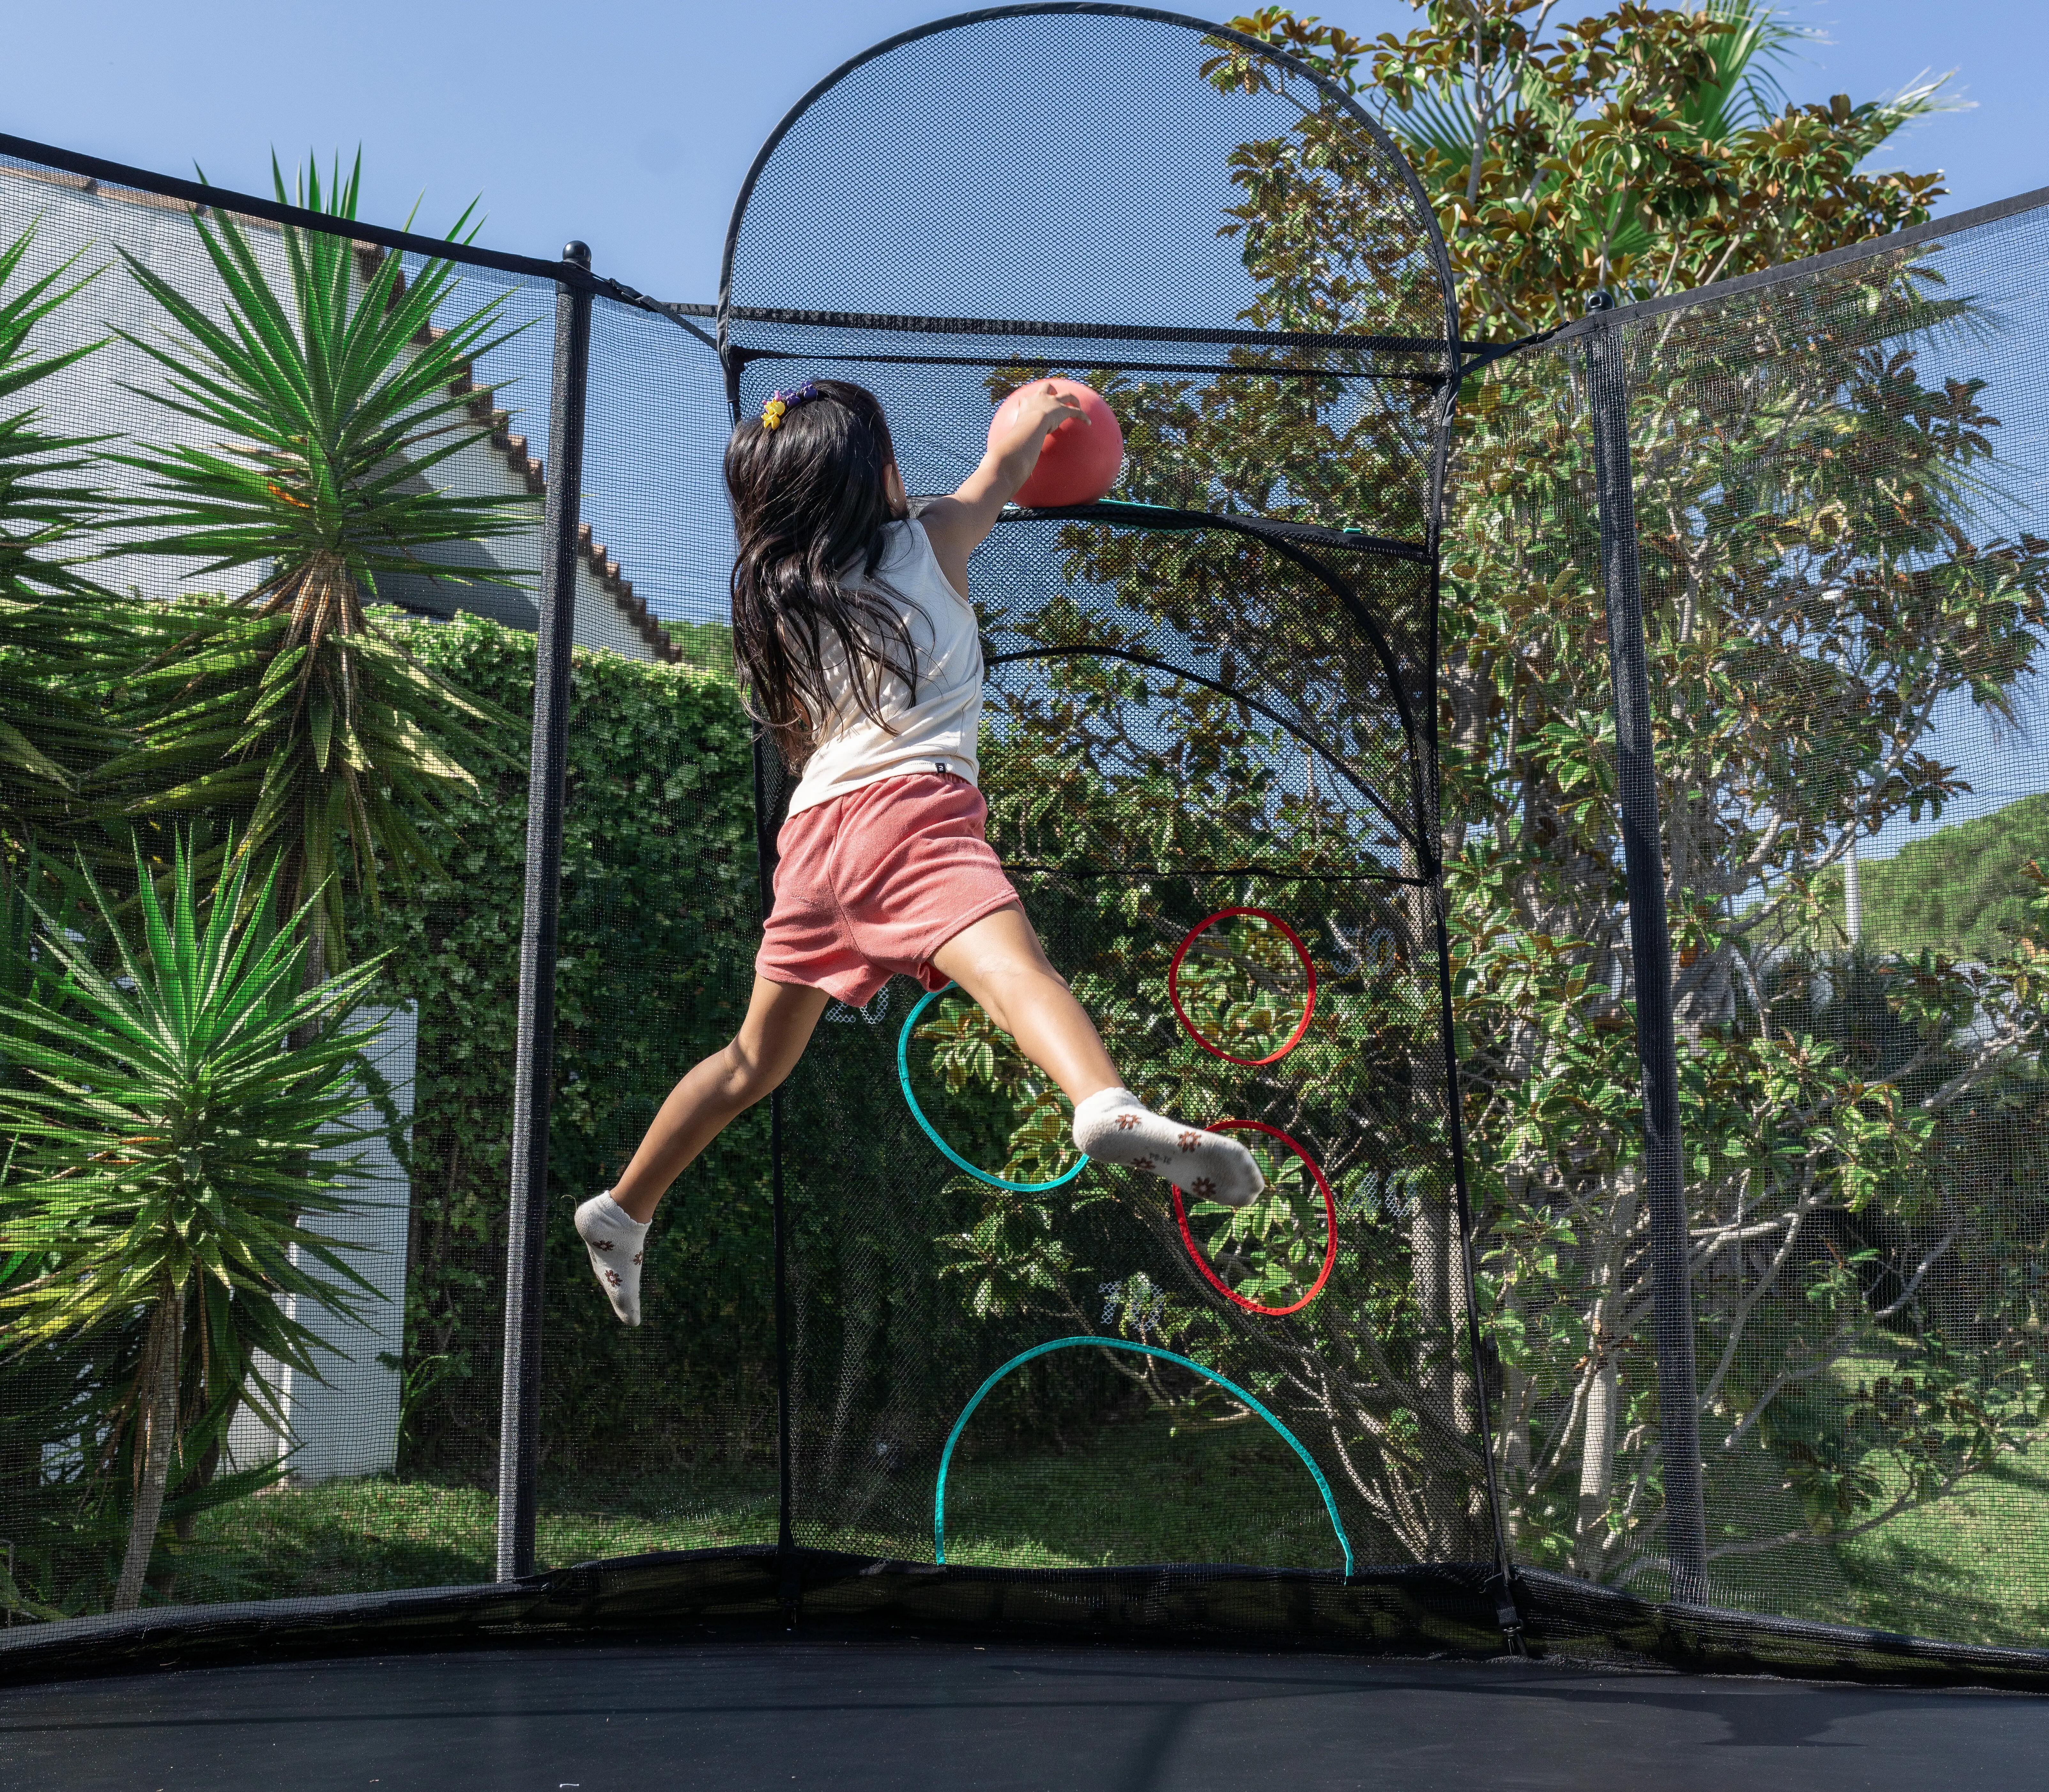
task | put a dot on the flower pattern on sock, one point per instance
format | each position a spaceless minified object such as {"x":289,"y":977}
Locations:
{"x":604,"y":1226}
{"x":1114,"y":1127}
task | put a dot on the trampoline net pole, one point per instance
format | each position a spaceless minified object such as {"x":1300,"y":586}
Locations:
{"x":519,"y":1420}
{"x":1679,"y":1421}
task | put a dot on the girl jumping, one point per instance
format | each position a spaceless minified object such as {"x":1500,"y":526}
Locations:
{"x":860,"y":656}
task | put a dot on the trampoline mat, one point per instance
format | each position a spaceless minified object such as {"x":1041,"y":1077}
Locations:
{"x":802,"y":1716}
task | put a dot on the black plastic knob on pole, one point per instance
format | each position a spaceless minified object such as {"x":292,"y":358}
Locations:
{"x":1650,"y":951}
{"x":519,"y":1401}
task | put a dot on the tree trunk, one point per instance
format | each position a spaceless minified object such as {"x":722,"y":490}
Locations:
{"x":1513,"y":1422}
{"x":311,"y":974}
{"x":164,"y":1582}
{"x":157,"y":1422}
{"x":1597,"y":1444}
{"x":1446,"y":1384}
{"x":1437,"y":1275}
{"x":1596,"y":1466}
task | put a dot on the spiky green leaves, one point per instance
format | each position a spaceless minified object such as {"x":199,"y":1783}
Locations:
{"x":42,"y":503}
{"x":336,"y":400}
{"x":164,"y":1124}
{"x":51,"y":629}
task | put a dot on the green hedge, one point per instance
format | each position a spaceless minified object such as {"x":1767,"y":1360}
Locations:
{"x":658,"y":927}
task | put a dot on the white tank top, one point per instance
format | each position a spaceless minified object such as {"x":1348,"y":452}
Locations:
{"x":939,"y":732}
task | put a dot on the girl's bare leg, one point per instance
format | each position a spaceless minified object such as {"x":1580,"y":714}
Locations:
{"x":1000,"y":962}
{"x":771,"y":1039}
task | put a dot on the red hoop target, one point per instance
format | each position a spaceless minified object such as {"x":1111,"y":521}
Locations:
{"x":1330,"y":1223}
{"x":1309,"y":999}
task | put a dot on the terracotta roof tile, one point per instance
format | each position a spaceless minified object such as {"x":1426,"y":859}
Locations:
{"x":605,"y":569}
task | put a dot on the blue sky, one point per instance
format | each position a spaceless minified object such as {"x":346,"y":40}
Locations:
{"x":630,"y":122}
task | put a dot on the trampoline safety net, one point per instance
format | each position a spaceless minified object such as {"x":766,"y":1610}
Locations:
{"x":1205,"y":761}
{"x":1577,"y":815}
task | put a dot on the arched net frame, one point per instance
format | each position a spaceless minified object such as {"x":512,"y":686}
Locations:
{"x":1211,"y":691}
{"x":1224,"y":244}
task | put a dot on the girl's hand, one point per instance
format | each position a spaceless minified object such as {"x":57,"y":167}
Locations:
{"x":957,"y":525}
{"x":1041,"y":411}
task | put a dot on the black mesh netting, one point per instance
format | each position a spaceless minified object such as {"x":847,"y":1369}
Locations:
{"x":1134,"y":794}
{"x":1192,"y":713}
{"x":333,"y":1328}
{"x":1839,"y":485}
{"x":663,"y":1436}
{"x":1837,"y":480}
{"x":1294,"y":823}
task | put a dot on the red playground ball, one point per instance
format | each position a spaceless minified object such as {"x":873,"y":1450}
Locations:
{"x":1080,"y":461}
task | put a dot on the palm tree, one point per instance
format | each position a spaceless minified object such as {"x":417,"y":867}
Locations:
{"x":334,"y":402}
{"x":161,"y":1129}
{"x":53,"y":620}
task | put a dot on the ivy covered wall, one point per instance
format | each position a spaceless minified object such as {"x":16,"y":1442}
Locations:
{"x":659,"y":928}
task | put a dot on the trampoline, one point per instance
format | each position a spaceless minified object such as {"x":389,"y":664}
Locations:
{"x":850,"y":1715}
{"x":1372,"y":760}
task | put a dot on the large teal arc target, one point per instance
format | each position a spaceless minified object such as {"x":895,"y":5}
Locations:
{"x":932,"y":1132}
{"x":1229,"y":1386}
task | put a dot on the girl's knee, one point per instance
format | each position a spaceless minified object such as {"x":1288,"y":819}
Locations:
{"x":748,"y":1081}
{"x":1032,"y":986}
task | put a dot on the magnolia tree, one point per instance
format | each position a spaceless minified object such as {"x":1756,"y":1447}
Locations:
{"x":1827,"y":572}
{"x":1143,"y":801}
{"x":1822,"y":584}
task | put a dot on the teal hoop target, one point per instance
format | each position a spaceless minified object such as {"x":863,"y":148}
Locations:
{"x":931,"y":1131}
{"x":1229,"y":1387}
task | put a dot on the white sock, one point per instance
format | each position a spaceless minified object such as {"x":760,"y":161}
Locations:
{"x":617,"y":1242}
{"x":1113,"y":1125}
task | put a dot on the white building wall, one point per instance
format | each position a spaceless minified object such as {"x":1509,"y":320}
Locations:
{"x":85,"y":225}
{"x":345,"y":1421}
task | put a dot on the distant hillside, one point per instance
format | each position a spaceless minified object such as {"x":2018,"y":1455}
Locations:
{"x":1962,"y":890}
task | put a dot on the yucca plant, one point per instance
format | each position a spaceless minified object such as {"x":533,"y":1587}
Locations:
{"x":335,"y":401}
{"x":162,"y":1122}
{"x":63,"y":1513}
{"x":55,"y":621}
{"x":38,"y":1388}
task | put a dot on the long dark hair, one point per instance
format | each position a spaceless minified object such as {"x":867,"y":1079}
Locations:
{"x":810,"y":505}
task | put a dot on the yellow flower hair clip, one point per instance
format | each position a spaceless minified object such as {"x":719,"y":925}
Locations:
{"x":780,"y":404}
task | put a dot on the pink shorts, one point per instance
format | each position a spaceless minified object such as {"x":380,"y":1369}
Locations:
{"x":871,"y":885}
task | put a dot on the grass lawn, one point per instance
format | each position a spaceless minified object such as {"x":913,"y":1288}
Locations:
{"x":1973,"y":1569}
{"x":347,"y":1537}
{"x":1134,"y":1494}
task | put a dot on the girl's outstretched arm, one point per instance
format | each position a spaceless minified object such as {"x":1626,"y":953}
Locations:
{"x":958,"y":525}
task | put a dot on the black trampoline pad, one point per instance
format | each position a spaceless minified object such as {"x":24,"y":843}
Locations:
{"x":805,"y":1715}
